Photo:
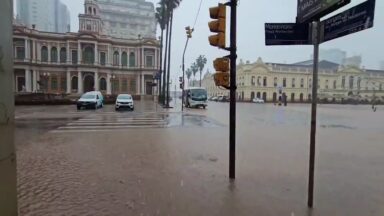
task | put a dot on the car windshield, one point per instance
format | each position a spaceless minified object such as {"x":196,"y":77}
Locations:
{"x":124,"y":97}
{"x":198,"y":93}
{"x":88,"y":96}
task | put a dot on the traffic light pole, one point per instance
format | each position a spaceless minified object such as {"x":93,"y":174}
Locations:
{"x":312,"y":150}
{"x":182,"y":97}
{"x":232,"y":106}
{"x":8,"y":195}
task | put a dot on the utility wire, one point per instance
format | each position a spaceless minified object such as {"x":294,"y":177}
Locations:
{"x":198,"y":13}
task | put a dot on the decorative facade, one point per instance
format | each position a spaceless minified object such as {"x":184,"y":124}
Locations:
{"x":336,"y":83}
{"x":74,"y":63}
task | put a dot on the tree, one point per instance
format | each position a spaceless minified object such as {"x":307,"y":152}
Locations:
{"x":194,"y":69}
{"x":161,"y":19}
{"x":188,"y":72}
{"x":200,"y":62}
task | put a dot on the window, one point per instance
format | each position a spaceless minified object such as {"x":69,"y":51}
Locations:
{"x":103,"y":84}
{"x":124,"y":85}
{"x":115,"y":85}
{"x":54,"y":83}
{"x":351,"y":81}
{"x":149,"y":61}
{"x":358,"y":83}
{"x":116,"y":58}
{"x":302,"y":83}
{"x":20,"y":52}
{"x":44,"y":54}
{"x":102,"y":58}
{"x":334,"y":84}
{"x":94,"y":11}
{"x":293,"y":82}
{"x":343,"y":82}
{"x":53,"y":54}
{"x":132,"y":85}
{"x":265,"y":82}
{"x":88,"y":55}
{"x":310,"y":83}
{"x":124,"y":59}
{"x":63,"y":55}
{"x":89,"y":10}
{"x":284,"y":82}
{"x":74,"y":83}
{"x":132,"y":60}
{"x":275,"y":82}
{"x":63,"y":84}
{"x":326,"y":84}
{"x":258,"y":81}
{"x":74,"y":56}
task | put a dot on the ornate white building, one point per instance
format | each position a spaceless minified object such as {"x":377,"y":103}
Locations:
{"x":74,"y":63}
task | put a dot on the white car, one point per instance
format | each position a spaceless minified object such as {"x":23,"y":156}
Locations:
{"x":92,"y":100}
{"x":258,"y":100}
{"x":124,"y":101}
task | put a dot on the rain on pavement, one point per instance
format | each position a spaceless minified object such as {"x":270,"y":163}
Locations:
{"x":158,"y":162}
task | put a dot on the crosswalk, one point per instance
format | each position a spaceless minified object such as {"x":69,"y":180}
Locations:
{"x":112,"y":121}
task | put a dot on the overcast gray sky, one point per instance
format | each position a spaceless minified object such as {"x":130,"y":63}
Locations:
{"x":251,"y":18}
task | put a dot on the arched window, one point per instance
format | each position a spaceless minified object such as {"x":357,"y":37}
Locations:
{"x":293,"y":97}
{"x":124,"y":59}
{"x":88,"y":55}
{"x":301,"y":97}
{"x":258,"y":95}
{"x":103,"y":84}
{"x":302,"y":83}
{"x":275,"y":82}
{"x":132,"y":60}
{"x":259,"y":81}
{"x":274,"y":97}
{"x":284,"y":82}
{"x":343,"y":82}
{"x":310,"y":83}
{"x":334,"y":84}
{"x":253,"y":81}
{"x":293,"y":82}
{"x":74,"y":83}
{"x":265,"y":82}
{"x":265,"y":96}
{"x":94,"y":11}
{"x":115,"y":86}
{"x":53,"y":54}
{"x":116,"y":58}
{"x":44,"y":54}
{"x":89,"y":10}
{"x":326,"y":84}
{"x":63,"y":55}
{"x":252,"y":95}
{"x":351,"y":81}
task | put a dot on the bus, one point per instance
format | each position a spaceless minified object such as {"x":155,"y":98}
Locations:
{"x":195,"y":97}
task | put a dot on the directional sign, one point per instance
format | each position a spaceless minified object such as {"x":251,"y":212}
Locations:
{"x":353,"y":20}
{"x":310,"y":10}
{"x":287,"y":34}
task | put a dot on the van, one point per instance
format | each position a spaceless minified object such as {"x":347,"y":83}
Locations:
{"x":195,"y":97}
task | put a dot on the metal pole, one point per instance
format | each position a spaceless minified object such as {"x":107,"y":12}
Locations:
{"x":312,"y":150}
{"x":232,"y":106}
{"x":8,"y":197}
{"x":182,"y":97}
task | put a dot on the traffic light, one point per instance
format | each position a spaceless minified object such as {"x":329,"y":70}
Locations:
{"x":189,"y":31}
{"x":218,"y":25}
{"x":181,"y":80}
{"x":221,"y":77}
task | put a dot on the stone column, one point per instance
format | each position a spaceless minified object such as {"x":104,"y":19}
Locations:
{"x":49,"y":54}
{"x":120,"y":62}
{"x":138,"y":84}
{"x":68,"y":54}
{"x":79,"y":83}
{"x":97,"y":81}
{"x":142,"y":85}
{"x":79,"y":60}
{"x":96,"y":54}
{"x":142,"y":58}
{"x":109,"y":91}
{"x":69,"y":86}
{"x":28,"y":81}
{"x":26,"y":57}
{"x":34,"y":83}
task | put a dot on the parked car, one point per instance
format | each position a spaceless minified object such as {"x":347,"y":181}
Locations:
{"x":92,"y":100}
{"x":124,"y":101}
{"x":258,"y":100}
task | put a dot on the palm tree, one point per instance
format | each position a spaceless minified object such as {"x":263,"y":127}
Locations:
{"x":194,"y":69}
{"x":188,"y":72}
{"x":201,"y":61}
{"x":161,"y":19}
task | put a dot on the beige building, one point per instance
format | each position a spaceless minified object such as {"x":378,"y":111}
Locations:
{"x":74,"y":63}
{"x":336,"y":83}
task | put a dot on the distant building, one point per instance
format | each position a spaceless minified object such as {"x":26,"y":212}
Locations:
{"x":336,"y":82}
{"x":128,"y":19}
{"x":45,"y":15}
{"x":353,"y":61}
{"x":74,"y":63}
{"x":332,"y":55}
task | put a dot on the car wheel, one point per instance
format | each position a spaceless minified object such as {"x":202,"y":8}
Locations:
{"x":116,"y":109}
{"x":78,"y":107}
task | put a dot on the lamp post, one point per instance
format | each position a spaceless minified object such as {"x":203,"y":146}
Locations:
{"x":46,"y":76}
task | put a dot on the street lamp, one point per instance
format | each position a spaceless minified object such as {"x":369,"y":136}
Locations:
{"x":46,"y":76}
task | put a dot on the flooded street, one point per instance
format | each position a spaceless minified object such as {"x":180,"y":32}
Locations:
{"x":158,"y":162}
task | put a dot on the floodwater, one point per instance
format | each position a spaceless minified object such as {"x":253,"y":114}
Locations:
{"x":181,"y":168}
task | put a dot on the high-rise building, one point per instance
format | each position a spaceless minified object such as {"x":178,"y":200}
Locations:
{"x":128,"y":19}
{"x":353,"y":61}
{"x":45,"y":15}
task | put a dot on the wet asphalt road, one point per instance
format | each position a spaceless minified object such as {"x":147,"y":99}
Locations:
{"x":158,"y":162}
